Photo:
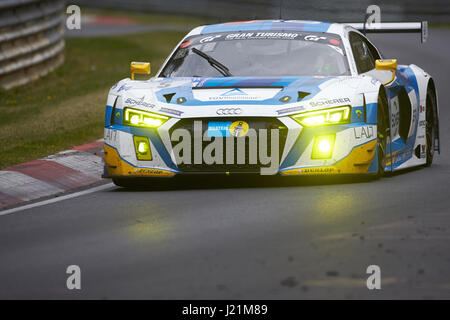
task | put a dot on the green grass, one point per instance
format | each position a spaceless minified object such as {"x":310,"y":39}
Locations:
{"x":439,"y":25}
{"x":66,"y":108}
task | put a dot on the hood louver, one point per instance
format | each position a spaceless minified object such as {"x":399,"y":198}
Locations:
{"x":169,"y":96}
{"x":302,"y":95}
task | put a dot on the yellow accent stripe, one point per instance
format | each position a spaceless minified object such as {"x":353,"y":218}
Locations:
{"x":115,"y":166}
{"x":388,"y":158}
{"x":362,"y":155}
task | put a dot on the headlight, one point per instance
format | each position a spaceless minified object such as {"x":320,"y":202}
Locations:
{"x":139,"y":118}
{"x":323,"y":146}
{"x":324,"y":117}
{"x":142,"y":147}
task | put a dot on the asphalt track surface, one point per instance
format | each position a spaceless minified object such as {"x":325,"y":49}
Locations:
{"x":248,"y":238}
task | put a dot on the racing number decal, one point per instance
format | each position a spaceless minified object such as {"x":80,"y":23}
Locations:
{"x":395,"y":117}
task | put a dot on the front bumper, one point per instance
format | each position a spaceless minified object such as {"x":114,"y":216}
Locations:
{"x":354,"y":151}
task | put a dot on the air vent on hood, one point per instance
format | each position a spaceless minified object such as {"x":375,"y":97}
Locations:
{"x":169,"y":96}
{"x":302,"y":94}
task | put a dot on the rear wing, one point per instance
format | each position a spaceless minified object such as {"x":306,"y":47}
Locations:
{"x":393,"y":27}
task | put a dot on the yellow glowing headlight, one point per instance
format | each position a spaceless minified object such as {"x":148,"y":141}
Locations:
{"x":324,"y":117}
{"x":142,"y":147}
{"x":323,"y":146}
{"x":139,"y":118}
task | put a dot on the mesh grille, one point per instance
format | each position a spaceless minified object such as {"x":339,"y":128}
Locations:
{"x":248,"y":164}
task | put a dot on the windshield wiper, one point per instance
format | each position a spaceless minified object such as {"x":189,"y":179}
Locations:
{"x":214,"y":63}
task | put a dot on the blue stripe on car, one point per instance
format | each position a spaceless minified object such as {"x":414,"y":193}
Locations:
{"x":268,"y":25}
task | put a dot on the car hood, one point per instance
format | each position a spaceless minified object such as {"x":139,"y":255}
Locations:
{"x":233,"y":90}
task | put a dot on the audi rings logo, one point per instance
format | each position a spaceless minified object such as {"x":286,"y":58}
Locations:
{"x":229,"y":111}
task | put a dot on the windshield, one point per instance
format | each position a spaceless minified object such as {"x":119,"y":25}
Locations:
{"x":263,"y":54}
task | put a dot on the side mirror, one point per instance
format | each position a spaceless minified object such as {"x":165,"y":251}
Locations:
{"x":139,"y":68}
{"x":387,"y":65}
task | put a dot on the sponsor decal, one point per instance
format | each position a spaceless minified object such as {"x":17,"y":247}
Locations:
{"x":272,"y":35}
{"x":414,"y":116}
{"x":234,"y":98}
{"x":262,"y":35}
{"x":358,"y":113}
{"x":234,"y":94}
{"x":227,"y":129}
{"x":218,"y":129}
{"x":327,"y":102}
{"x":364,"y":132}
{"x":111,"y":137}
{"x":395,"y":116}
{"x":210,"y":38}
{"x":171,"y":111}
{"x":140,"y":102}
{"x":317,"y":170}
{"x":239,"y":128}
{"x":423,"y":151}
{"x":292,"y":109}
{"x":314,"y":38}
{"x":328,"y":39}
{"x":124,"y":88}
{"x":155,"y":172}
{"x":400,"y":157}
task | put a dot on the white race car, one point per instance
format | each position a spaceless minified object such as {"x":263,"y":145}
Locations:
{"x":273,"y":97}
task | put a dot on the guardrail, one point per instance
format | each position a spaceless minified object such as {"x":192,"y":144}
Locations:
{"x":31,"y":40}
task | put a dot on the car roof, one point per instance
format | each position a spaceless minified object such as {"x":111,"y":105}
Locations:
{"x":270,"y":25}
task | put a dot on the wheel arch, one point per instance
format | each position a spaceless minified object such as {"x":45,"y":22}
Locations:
{"x":385,"y":113}
{"x":383,"y":93}
{"x":432,"y":87}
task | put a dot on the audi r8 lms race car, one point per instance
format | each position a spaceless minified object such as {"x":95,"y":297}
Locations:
{"x":273,"y":97}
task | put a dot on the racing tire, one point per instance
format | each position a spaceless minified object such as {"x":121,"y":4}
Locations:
{"x":382,"y":131}
{"x":430,"y":125}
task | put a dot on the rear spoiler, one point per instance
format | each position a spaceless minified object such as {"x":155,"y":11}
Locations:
{"x":393,"y":27}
